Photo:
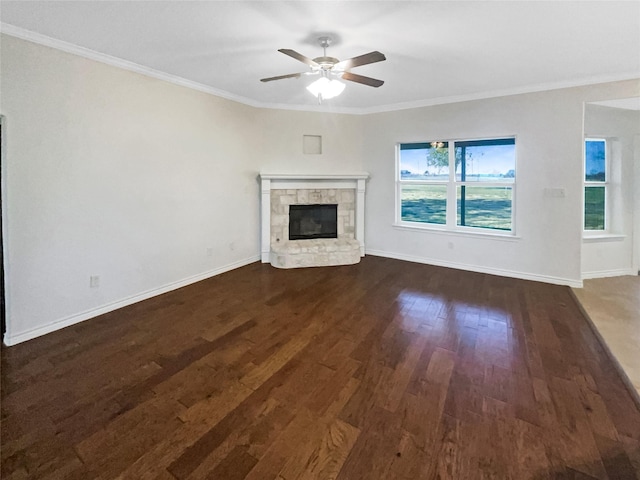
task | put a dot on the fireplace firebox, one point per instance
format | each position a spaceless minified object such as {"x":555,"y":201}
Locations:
{"x":313,"y":221}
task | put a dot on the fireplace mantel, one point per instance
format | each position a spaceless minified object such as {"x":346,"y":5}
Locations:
{"x":292,"y":181}
{"x":320,"y":176}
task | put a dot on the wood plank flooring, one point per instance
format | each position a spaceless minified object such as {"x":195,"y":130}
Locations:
{"x":381,"y":370}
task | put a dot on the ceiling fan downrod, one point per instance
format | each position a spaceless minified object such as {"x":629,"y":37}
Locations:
{"x":325,"y":63}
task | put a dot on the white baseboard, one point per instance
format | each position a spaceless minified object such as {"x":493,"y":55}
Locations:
{"x":608,"y":273}
{"x":19,"y":337}
{"x":479,"y":269}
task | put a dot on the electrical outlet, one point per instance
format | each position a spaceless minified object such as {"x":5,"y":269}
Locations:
{"x":209,"y":252}
{"x":450,"y":245}
{"x":94,"y":281}
{"x":554,"y":192}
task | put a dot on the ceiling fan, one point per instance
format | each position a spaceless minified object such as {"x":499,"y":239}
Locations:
{"x":329,"y":69}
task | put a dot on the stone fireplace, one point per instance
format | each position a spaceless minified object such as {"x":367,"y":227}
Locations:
{"x":282,"y":191}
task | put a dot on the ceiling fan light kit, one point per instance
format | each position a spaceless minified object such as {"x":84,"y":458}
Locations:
{"x":326,"y":87}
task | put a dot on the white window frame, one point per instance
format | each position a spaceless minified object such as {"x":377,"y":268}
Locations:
{"x":592,"y":183}
{"x":452,"y":185}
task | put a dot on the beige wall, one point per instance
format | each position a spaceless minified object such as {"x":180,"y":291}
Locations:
{"x":114,"y":174}
{"x":152,"y":186}
{"x":609,"y":256}
{"x":146,"y":184}
{"x":548,"y":130}
{"x":282,"y":130}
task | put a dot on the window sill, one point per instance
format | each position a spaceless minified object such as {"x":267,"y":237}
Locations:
{"x":603,"y":237}
{"x":507,"y":237}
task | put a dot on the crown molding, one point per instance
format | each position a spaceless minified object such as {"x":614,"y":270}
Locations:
{"x":74,"y":49}
{"x":38,"y":38}
{"x":534,"y":88}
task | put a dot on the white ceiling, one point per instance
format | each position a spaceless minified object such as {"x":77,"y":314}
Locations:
{"x":436,"y":51}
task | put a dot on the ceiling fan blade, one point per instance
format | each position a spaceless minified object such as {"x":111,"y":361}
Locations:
{"x":281,"y":77}
{"x":352,"y":77}
{"x":299,"y":57}
{"x":367,"y":58}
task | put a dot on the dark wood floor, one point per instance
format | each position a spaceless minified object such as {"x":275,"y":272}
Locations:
{"x":382,"y":370}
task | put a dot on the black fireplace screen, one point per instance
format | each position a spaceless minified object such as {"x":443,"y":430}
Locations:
{"x":313,"y":221}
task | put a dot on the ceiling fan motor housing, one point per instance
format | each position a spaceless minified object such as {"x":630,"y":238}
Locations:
{"x":326,"y":63}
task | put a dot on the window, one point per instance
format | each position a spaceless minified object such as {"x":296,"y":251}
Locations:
{"x":424,"y":174}
{"x":478,"y":194}
{"x":595,"y":184}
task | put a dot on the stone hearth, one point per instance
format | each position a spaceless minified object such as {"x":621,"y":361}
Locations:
{"x":315,"y":253}
{"x":279,"y":191}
